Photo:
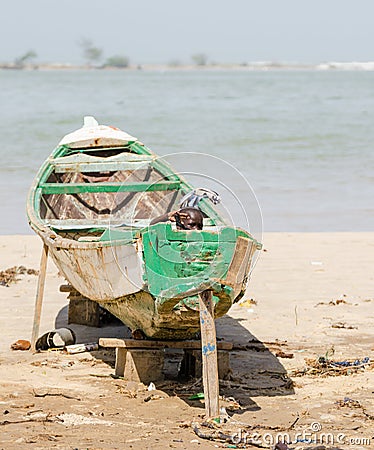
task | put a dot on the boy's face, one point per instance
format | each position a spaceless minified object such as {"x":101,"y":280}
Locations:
{"x":188,"y":221}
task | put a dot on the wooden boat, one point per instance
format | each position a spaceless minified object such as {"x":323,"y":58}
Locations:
{"x":92,"y":202}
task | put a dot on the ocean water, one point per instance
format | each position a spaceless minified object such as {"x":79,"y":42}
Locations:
{"x":295,"y":149}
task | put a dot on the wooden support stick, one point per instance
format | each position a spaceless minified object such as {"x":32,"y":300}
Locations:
{"x":209,"y":354}
{"x":39,"y":296}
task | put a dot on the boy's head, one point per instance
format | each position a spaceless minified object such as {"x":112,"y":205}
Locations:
{"x":189,"y":219}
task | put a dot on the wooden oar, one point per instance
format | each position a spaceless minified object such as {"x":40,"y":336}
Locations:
{"x":39,"y":296}
{"x":209,"y":354}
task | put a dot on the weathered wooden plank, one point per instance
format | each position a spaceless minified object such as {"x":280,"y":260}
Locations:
{"x":99,"y":224}
{"x":81,"y":162}
{"x":240,"y":263}
{"x":209,"y":354}
{"x":39,"y":296}
{"x":82,"y":158}
{"x":100,"y":167}
{"x":82,"y":188}
{"x":133,"y":343}
{"x":239,"y":260}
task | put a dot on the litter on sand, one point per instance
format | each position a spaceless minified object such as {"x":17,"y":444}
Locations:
{"x":21,"y":344}
{"x":324,"y":366}
{"x":81,"y":348}
{"x":56,"y":339}
{"x":9,"y":276}
{"x":198,"y":396}
{"x":343,"y":325}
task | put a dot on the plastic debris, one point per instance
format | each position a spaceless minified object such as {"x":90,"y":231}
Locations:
{"x":198,"y":396}
{"x":80,"y":348}
{"x":348,"y":402}
{"x":223,"y":416}
{"x":192,"y":198}
{"x":356,"y":362}
{"x":151,"y":387}
{"x":56,"y":339}
{"x":248,"y":303}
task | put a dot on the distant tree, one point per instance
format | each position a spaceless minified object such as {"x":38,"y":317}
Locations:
{"x":200,"y":59}
{"x":117,"y":61}
{"x":91,"y":53}
{"x":27,"y":57}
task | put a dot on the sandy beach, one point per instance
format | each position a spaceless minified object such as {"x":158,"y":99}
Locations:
{"x":311,"y":295}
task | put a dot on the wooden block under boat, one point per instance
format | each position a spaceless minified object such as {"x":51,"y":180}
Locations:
{"x":83,"y":311}
{"x":136,"y":359}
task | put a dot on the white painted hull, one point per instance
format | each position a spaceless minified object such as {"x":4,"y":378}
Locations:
{"x":101,"y":273}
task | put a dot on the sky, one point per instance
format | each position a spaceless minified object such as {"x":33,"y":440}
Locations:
{"x":160,"y":31}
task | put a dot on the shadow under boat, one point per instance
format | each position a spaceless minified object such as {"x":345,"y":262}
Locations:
{"x":255,"y":370}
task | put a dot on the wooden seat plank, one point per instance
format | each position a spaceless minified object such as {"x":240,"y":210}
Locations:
{"x":133,"y":343}
{"x":84,"y":188}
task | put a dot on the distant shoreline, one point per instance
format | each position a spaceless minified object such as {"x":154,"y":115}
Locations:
{"x":252,"y":66}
